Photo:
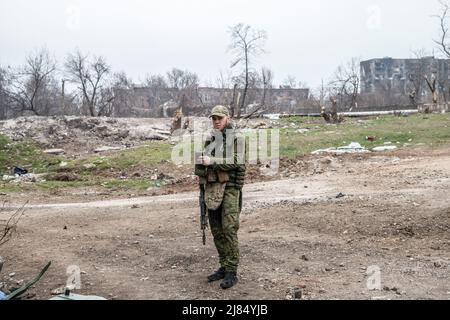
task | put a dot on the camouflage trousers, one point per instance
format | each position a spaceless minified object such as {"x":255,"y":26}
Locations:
{"x":224,"y":224}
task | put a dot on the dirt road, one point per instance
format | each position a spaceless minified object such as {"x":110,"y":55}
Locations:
{"x":391,"y":219}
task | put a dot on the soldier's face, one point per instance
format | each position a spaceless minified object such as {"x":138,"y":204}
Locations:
{"x":219,"y":123}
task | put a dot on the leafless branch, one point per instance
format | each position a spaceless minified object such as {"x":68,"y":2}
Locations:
{"x":443,"y":16}
{"x":11,"y":223}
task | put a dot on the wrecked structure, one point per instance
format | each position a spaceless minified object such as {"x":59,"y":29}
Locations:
{"x":389,"y":81}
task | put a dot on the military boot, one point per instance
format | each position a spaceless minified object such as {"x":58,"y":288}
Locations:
{"x":219,"y":274}
{"x":229,"y":280}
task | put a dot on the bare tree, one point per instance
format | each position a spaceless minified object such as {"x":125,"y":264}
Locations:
{"x":345,"y":83}
{"x":246,"y":44}
{"x":432,"y":86}
{"x":159,"y":91}
{"x":224,"y":81}
{"x":118,"y":92}
{"x":91,"y":75}
{"x":317,"y":97}
{"x":443,"y":39}
{"x":443,"y":46}
{"x":7,"y":229}
{"x":416,"y":77}
{"x":30,"y":83}
{"x":184,"y":85}
{"x":175,"y":78}
{"x":156,"y":81}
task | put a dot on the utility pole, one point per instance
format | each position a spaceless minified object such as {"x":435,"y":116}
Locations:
{"x":62,"y":95}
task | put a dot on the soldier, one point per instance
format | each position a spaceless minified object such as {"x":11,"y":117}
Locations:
{"x":222,"y":177}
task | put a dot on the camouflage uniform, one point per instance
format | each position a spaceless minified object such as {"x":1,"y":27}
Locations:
{"x":224,"y":221}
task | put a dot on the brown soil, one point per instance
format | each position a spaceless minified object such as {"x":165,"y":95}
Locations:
{"x":295,"y":233}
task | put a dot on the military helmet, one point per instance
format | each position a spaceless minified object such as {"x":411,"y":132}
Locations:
{"x":220,"y":111}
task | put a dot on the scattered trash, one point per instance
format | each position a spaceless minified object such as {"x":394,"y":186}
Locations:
{"x":353,"y":147}
{"x":54,"y":151}
{"x":106,"y":148}
{"x":8,"y":178}
{"x":27,"y":177}
{"x":297,"y":293}
{"x":384,"y":148}
{"x":272,"y":116}
{"x":2,"y":295}
{"x":20,"y":171}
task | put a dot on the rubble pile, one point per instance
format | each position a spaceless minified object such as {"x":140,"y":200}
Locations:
{"x":72,"y":134}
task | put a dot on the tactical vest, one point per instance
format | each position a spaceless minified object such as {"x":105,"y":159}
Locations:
{"x":233,"y":178}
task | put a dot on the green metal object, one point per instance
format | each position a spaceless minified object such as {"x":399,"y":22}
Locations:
{"x":16,"y":293}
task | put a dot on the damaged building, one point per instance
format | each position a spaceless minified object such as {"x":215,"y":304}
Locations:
{"x":389,"y":81}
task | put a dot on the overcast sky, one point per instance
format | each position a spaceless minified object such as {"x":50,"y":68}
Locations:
{"x":306,"y":39}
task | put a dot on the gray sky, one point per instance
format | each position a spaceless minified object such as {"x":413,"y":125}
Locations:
{"x":306,"y":39}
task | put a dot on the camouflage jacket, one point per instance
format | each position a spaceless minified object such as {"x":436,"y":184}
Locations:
{"x":233,"y":166}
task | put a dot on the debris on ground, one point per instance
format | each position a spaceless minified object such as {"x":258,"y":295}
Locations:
{"x":384,"y":148}
{"x":176,"y":121}
{"x":28,"y":177}
{"x":20,"y":171}
{"x":106,"y":148}
{"x":272,"y":116}
{"x":353,"y":147}
{"x":71,"y":135}
{"x":54,"y":151}
{"x":332,"y":116}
